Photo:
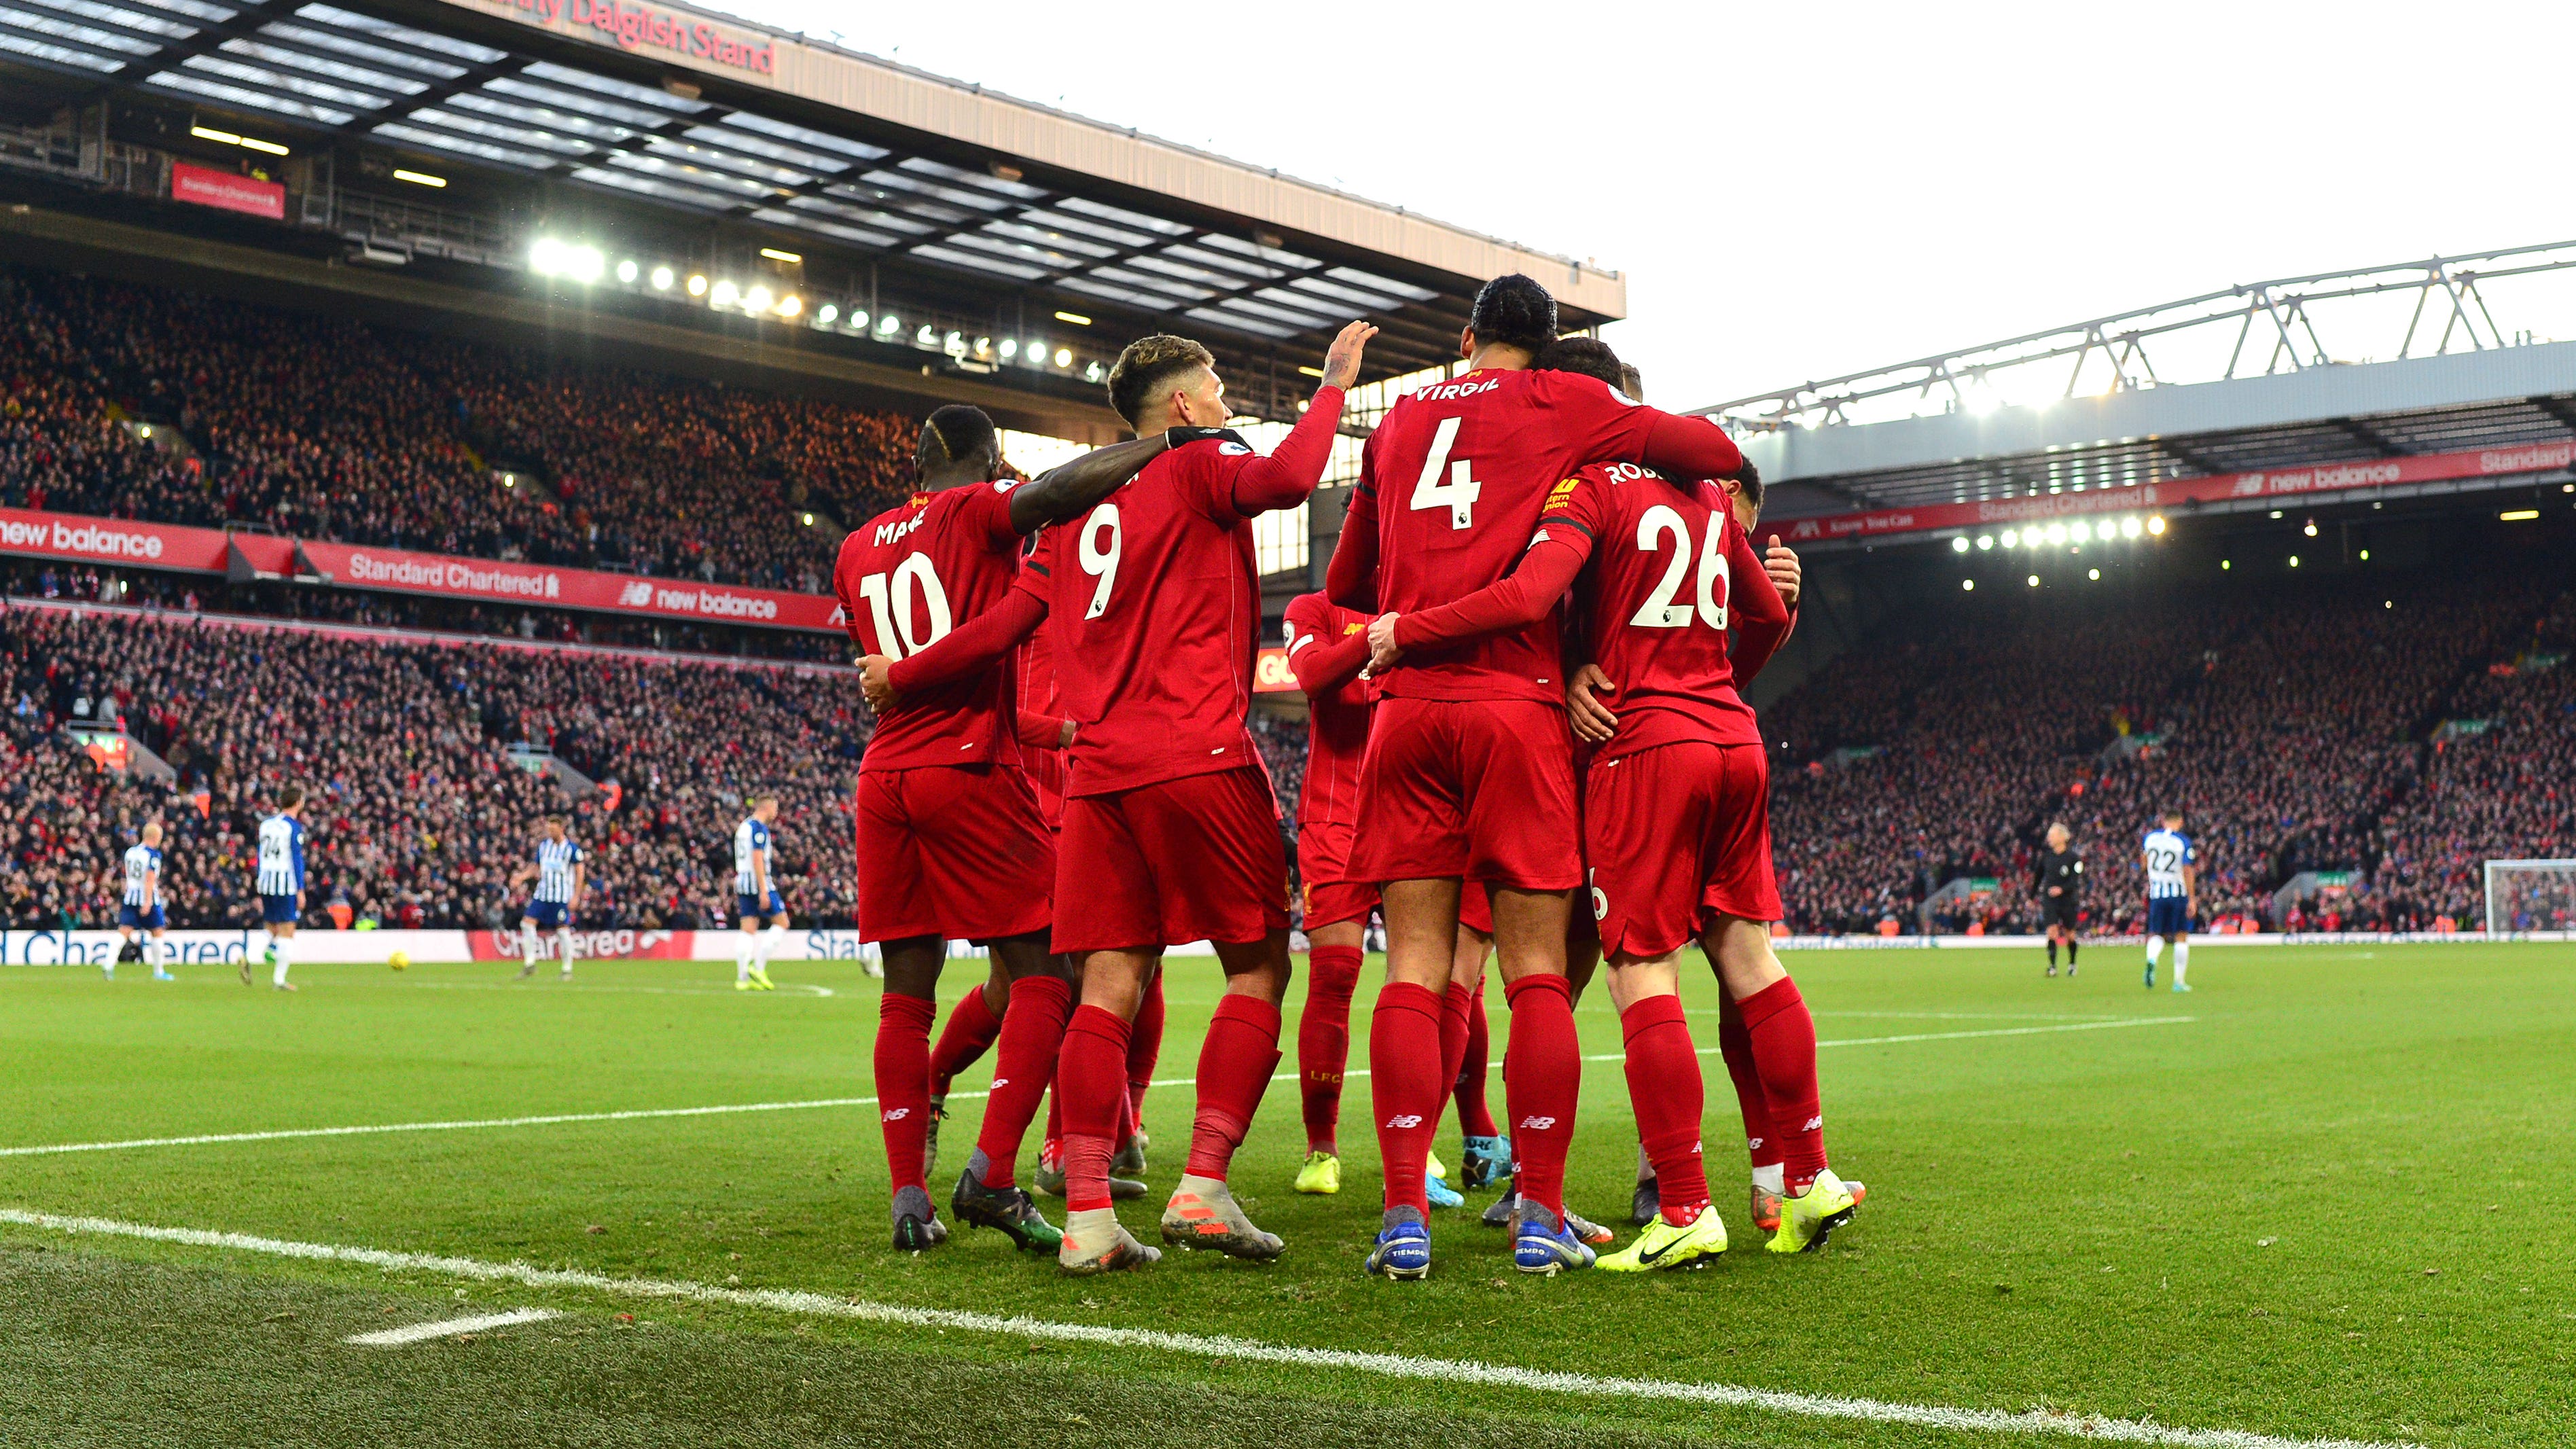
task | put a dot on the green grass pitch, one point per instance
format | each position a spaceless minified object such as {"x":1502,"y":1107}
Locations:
{"x":2334,"y":1202}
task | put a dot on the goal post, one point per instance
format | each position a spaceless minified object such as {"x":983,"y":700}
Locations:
{"x":2530,"y":895}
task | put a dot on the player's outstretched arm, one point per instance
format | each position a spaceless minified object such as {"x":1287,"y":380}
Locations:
{"x":1289,"y":475}
{"x":1068,"y":490}
{"x":1515,"y":601}
{"x":976,"y":645}
{"x":1322,"y":668}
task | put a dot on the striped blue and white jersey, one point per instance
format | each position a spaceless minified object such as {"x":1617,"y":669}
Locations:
{"x":750,"y":844}
{"x":142,"y":876}
{"x":2167,"y":852}
{"x":555,"y":860}
{"x":281,"y":855}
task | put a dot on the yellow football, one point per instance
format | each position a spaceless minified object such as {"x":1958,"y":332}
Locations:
{"x":399,"y":960}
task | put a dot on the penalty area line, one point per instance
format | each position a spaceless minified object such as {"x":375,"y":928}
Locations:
{"x":1210,"y":1346}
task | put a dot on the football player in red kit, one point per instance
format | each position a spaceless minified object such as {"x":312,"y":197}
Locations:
{"x":950,"y":845}
{"x":1170,"y":828}
{"x":1470,"y":771}
{"x":1682,"y":779}
{"x":1327,"y":645}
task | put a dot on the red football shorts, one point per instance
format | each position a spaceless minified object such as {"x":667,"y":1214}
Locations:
{"x":1477,"y":789}
{"x":1193,"y":859}
{"x":951,"y":850}
{"x":1675,"y":836}
{"x":1324,"y":864}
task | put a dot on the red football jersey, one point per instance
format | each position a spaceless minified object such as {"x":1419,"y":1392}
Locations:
{"x":905,"y":578}
{"x":1153,"y":600}
{"x":1671,"y":571}
{"x":1453,"y":481}
{"x":1337,"y":722}
{"x":1036,"y":661}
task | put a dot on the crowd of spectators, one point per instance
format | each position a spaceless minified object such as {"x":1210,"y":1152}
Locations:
{"x":329,"y":428}
{"x":420,"y":809}
{"x":2286,"y":723}
{"x":2501,"y":786}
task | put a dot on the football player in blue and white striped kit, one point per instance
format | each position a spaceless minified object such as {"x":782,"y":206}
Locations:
{"x":140,"y":919}
{"x":755,"y":895}
{"x":281,"y":883}
{"x":558,"y":872}
{"x":2173,"y":899}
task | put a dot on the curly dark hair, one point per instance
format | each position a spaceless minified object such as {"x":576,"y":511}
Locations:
{"x":1515,"y":310}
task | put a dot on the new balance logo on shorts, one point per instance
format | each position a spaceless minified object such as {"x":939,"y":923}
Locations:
{"x":1404,"y":1121}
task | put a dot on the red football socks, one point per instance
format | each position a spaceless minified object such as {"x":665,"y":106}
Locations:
{"x":1405,"y":1087}
{"x":968,"y":1035}
{"x":1665,"y":1089}
{"x":903,"y":1083}
{"x":1784,"y":1052}
{"x":1324,"y":1040}
{"x":1761,"y":1144}
{"x":1091,"y":1085}
{"x":1475,"y":1118}
{"x":1144,"y":1047}
{"x":1235,"y":1063}
{"x":1454,"y":1008}
{"x":1542,"y":1079}
{"x":1032,"y":1038}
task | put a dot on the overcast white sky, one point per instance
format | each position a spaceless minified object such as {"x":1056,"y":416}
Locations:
{"x":1796,"y":191}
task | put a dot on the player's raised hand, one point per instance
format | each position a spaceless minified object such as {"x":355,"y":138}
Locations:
{"x":1342,"y":360}
{"x":1383,"y":650}
{"x":1593,"y":721}
{"x":1781,"y":562}
{"x":877,"y":683}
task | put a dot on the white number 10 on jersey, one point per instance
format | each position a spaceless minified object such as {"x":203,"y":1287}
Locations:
{"x":891,"y":609}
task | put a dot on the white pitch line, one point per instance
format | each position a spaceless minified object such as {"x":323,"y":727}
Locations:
{"x":374,"y":1129}
{"x":552,"y":1119}
{"x":1384,"y":1365}
{"x":397,"y":1337}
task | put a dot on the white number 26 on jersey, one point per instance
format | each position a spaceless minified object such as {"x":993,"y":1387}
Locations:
{"x":1445,"y":483}
{"x":1659,"y":611}
{"x":890,"y":609}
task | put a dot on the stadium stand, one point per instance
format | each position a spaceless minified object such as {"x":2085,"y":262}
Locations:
{"x":422,"y":812}
{"x":2287,"y":721}
{"x":2505,"y":791}
{"x":334,"y":429}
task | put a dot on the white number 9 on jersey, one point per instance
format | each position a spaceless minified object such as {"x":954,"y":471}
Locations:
{"x":1101,"y":563}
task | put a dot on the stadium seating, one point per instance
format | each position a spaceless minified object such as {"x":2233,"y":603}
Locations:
{"x":2287,"y":720}
{"x":420,"y":814}
{"x":334,"y":429}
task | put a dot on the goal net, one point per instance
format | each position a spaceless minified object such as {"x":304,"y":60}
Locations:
{"x":2531,"y":895}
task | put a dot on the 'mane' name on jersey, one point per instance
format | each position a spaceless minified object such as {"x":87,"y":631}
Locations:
{"x":142,"y":864}
{"x":281,"y":855}
{"x":751,"y":844}
{"x":2167,"y":852}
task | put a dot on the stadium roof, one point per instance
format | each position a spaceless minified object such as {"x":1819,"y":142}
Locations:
{"x":2463,"y":405}
{"x":708,"y":119}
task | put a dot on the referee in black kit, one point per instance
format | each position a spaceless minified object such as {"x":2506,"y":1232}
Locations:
{"x":2059,"y":883}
